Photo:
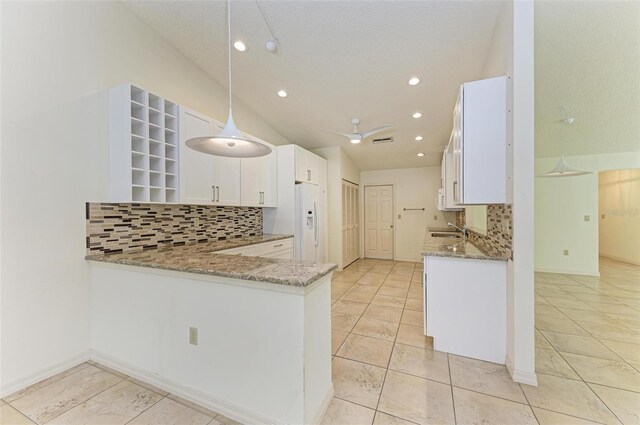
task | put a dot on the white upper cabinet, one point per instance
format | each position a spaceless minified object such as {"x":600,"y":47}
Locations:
{"x":197,"y":184}
{"x":445,"y":193}
{"x":226,"y":179}
{"x":306,"y":166}
{"x":143,"y":146}
{"x":479,"y":143}
{"x":216,"y":180}
{"x":259,"y":180}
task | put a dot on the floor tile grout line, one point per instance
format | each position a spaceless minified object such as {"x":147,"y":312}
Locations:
{"x":50,"y":383}
{"x":85,"y":400}
{"x":453,"y":400}
{"x":161,"y":398}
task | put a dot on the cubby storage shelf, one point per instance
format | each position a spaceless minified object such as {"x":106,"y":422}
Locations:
{"x":143,"y":146}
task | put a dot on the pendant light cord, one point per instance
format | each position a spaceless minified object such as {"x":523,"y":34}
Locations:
{"x":562,"y":122}
{"x":229,"y":49}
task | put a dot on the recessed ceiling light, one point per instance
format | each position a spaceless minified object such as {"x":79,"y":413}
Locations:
{"x":282,"y":93}
{"x":416,"y":115}
{"x":420,"y":154}
{"x":355,"y":141}
{"x":240,"y":46}
{"x":413,"y":81}
{"x":418,"y":138}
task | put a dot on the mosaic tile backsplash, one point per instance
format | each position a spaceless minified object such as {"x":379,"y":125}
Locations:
{"x":499,"y":230}
{"x":136,"y":227}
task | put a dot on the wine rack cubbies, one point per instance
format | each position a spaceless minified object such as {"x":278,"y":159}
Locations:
{"x":143,"y":146}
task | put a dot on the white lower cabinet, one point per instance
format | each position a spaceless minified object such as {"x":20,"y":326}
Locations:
{"x":466,"y":307}
{"x":282,"y":249}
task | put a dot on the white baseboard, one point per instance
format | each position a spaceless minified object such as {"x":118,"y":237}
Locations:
{"x":520,"y":376}
{"x":567,"y":271}
{"x":624,"y":260}
{"x":323,"y":407}
{"x":19,"y":384}
{"x":230,"y":410}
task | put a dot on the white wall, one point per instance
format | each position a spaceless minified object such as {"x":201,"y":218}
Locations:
{"x":619,"y":215}
{"x":511,"y":53}
{"x":339,"y":167}
{"x":560,"y":207}
{"x":58,"y":58}
{"x":413,"y":188}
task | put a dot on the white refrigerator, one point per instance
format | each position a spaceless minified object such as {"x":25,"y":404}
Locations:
{"x":309,"y":235}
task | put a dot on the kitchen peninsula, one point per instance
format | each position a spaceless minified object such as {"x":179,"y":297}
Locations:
{"x":225,"y":331}
{"x":465,"y":297}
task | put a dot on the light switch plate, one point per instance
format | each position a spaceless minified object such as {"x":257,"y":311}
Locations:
{"x":193,"y":335}
{"x":565,"y":252}
{"x":587,"y":218}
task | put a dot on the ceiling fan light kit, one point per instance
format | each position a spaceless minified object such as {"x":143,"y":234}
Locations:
{"x":356,"y":136}
{"x":230,"y":142}
{"x":562,"y":169}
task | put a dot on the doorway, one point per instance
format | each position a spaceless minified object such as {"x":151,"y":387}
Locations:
{"x":378,"y":222}
{"x":619,"y":215}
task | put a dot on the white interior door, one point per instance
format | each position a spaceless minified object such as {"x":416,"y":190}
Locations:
{"x":378,"y":222}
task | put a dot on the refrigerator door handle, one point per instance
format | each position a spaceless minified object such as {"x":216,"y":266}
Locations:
{"x":316,"y":224}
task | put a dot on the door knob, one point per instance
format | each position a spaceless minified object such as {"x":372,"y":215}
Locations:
{"x":391,"y":226}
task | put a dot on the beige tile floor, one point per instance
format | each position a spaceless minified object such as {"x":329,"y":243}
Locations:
{"x":385,"y":371}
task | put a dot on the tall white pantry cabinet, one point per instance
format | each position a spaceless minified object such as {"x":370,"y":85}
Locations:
{"x":143,"y":147}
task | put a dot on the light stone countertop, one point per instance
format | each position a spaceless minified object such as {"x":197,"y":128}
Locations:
{"x":201,"y":258}
{"x":456,"y":248}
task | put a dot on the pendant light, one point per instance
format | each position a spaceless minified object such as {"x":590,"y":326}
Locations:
{"x":230,"y":142}
{"x":562,"y":169}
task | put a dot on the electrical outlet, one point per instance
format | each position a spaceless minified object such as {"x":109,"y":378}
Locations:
{"x":565,"y":252}
{"x":587,"y":218}
{"x":602,"y":216}
{"x":193,"y":335}
{"x":399,"y":217}
{"x":435,"y":218}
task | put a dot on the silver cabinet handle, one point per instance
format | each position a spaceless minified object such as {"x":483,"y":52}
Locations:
{"x":218,"y":194}
{"x":262,"y":198}
{"x":278,"y":246}
{"x":213,"y":194}
{"x":308,"y":175}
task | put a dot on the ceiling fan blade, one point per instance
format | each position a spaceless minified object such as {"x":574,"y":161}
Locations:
{"x":347,"y":135}
{"x":374,"y":131}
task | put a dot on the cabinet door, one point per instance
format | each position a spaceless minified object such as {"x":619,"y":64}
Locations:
{"x":313,"y":164}
{"x":251,"y":175}
{"x":196,"y":169}
{"x":269,"y":179}
{"x":302,"y":172}
{"x":457,"y":149}
{"x":226,"y":179}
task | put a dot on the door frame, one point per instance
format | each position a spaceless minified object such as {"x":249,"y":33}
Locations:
{"x":364,"y":217}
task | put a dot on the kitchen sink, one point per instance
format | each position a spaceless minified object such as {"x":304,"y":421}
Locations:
{"x":445,"y":235}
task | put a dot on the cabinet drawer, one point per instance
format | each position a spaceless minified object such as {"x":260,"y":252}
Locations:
{"x":285,"y":254}
{"x":249,"y":251}
{"x":270,"y":247}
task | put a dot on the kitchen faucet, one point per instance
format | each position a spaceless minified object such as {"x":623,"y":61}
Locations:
{"x":463,"y":230}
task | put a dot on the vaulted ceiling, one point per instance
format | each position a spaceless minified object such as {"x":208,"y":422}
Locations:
{"x":340,"y":60}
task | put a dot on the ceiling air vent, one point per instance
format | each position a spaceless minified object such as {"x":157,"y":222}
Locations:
{"x":383,"y":140}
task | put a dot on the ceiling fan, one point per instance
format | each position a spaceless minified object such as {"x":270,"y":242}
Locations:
{"x":358,"y":136}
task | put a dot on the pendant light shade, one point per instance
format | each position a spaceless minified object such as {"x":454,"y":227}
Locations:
{"x":562,"y":169}
{"x":229,"y":142}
